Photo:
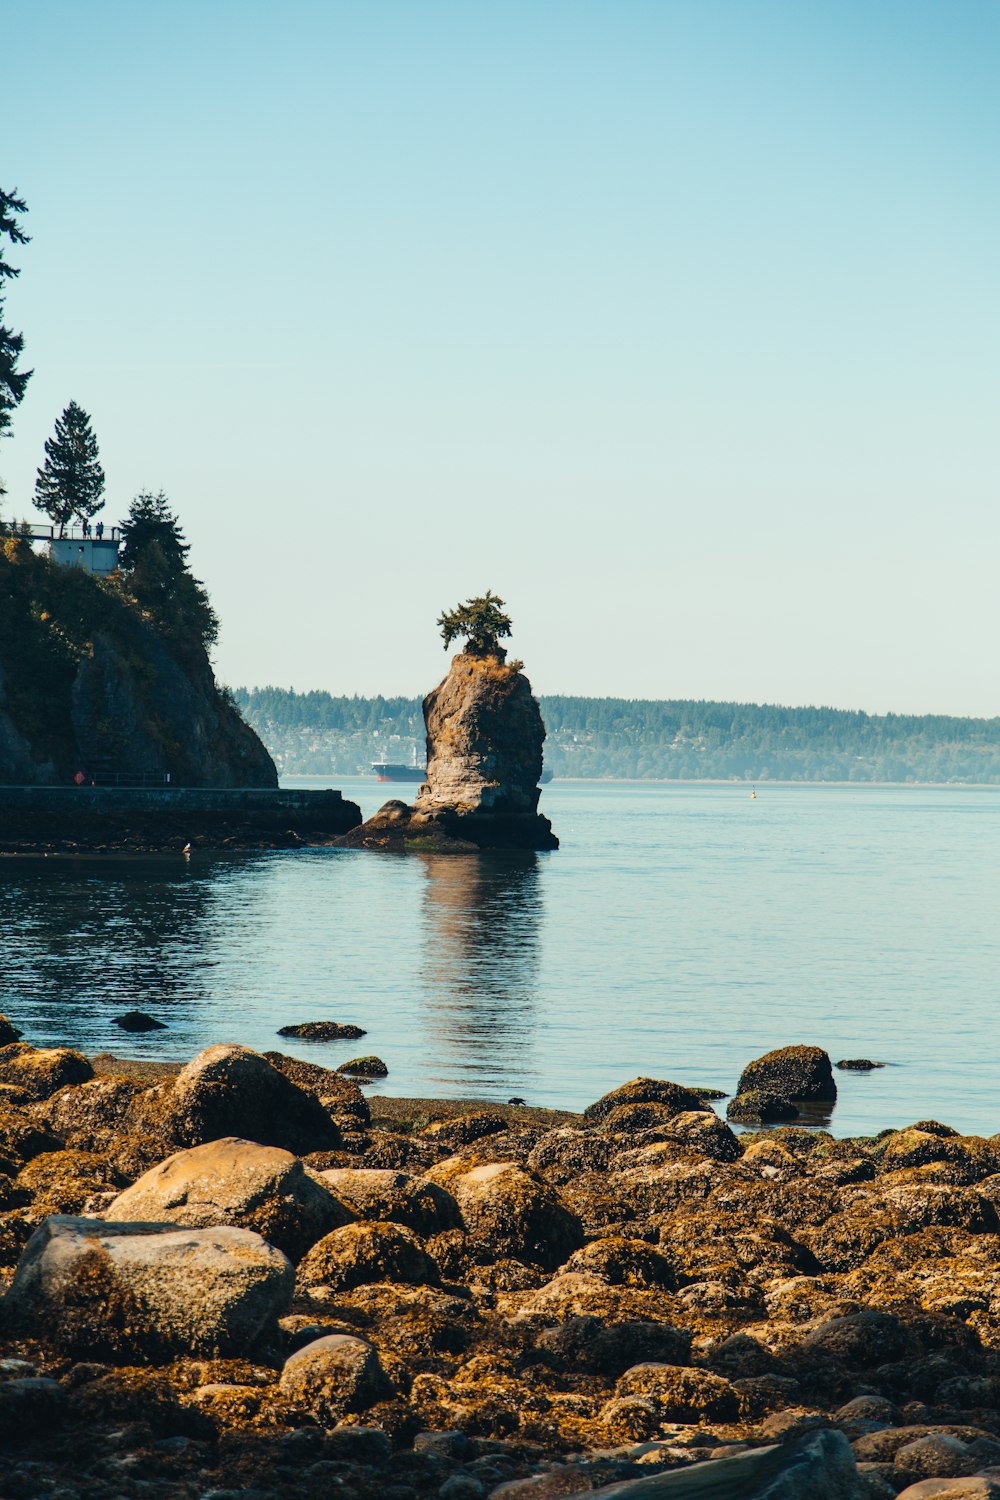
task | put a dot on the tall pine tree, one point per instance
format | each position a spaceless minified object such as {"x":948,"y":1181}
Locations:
{"x":13,"y":381}
{"x":71,"y":481}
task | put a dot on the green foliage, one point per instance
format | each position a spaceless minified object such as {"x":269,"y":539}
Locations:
{"x":620,"y":738}
{"x":481,"y":620}
{"x":70,"y":484}
{"x":154,"y":570}
{"x":13,"y":381}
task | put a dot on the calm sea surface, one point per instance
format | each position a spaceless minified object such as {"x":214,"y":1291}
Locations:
{"x":680,"y":931}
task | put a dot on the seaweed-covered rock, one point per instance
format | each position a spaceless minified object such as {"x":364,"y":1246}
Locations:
{"x":511,"y":1213}
{"x":230,"y":1091}
{"x":323,"y":1031}
{"x":361,"y":1253}
{"x":138,"y":1291}
{"x":672,"y":1096}
{"x":796,"y":1073}
{"x":682,"y":1394}
{"x":758,"y":1106}
{"x":42,"y":1071}
{"x":385,"y":1194}
{"x":364,"y":1067}
{"x":333,"y":1376}
{"x":8,"y":1032}
{"x":231,"y":1181}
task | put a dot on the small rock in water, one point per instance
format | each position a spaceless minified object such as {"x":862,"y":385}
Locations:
{"x":859,"y":1064}
{"x":760,"y":1105}
{"x":137,"y":1020}
{"x":365,"y":1067}
{"x":323,"y":1031}
{"x":794,"y":1072}
{"x":8,"y":1032}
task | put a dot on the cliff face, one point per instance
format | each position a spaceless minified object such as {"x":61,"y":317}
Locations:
{"x":88,"y":683}
{"x":484,"y":739}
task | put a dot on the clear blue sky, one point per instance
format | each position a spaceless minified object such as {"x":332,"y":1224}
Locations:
{"x":675,"y":323}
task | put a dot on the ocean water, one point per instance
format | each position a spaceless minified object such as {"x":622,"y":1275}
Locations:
{"x":681,"y":930}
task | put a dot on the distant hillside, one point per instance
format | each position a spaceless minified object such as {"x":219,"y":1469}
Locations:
{"x":646,"y":739}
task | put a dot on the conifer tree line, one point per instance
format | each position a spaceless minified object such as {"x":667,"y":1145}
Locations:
{"x":153,"y":569}
{"x":645,"y":739}
{"x":13,"y":379}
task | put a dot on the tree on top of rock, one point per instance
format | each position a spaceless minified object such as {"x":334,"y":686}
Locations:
{"x":71,"y":481}
{"x":481,"y":620}
{"x":154,"y":568}
{"x":12,"y":380}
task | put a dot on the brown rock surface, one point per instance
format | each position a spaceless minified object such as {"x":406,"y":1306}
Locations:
{"x":484,"y":759}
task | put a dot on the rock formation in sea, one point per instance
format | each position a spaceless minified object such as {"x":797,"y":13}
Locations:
{"x":484,"y":760}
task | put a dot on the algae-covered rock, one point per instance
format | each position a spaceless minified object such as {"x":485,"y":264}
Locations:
{"x":42,"y":1071}
{"x":385,"y":1194}
{"x":230,"y":1091}
{"x":231,"y":1181}
{"x":510,"y":1212}
{"x":672,"y":1097}
{"x":796,"y":1073}
{"x":757,"y":1106}
{"x":366,"y":1252}
{"x":136,"y":1292}
{"x":681,"y":1393}
{"x":333,"y":1376}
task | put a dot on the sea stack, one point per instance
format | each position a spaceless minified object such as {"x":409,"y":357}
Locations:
{"x":484,"y":755}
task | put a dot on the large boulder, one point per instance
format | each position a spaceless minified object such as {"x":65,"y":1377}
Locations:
{"x":796,"y":1073}
{"x":236,"y":1182}
{"x":229,"y":1090}
{"x":333,"y":1376}
{"x":362,"y":1253}
{"x":135,"y":1292}
{"x":385,"y":1194}
{"x":42,"y":1071}
{"x":509,"y":1212}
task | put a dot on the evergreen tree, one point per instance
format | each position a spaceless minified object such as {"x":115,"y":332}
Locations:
{"x":71,"y":481}
{"x":482,"y":620}
{"x":153,"y":564}
{"x":12,"y":380}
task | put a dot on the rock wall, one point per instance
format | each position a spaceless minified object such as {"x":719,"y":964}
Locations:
{"x":118,"y":698}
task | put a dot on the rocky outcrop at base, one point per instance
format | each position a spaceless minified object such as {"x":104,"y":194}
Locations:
{"x":494,"y":1303}
{"x":484,"y":760}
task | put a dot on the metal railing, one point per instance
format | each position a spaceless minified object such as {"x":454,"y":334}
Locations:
{"x":75,"y":533}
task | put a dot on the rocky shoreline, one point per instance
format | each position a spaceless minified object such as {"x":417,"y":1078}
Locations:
{"x":242,"y":1278}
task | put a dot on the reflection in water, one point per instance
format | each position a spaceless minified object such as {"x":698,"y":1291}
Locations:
{"x":480,"y":968}
{"x":95,"y":937}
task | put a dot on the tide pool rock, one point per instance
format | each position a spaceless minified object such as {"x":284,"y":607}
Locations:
{"x":796,"y":1073}
{"x":333,"y":1376}
{"x":236,"y":1182}
{"x":137,"y":1292}
{"x":229,"y":1090}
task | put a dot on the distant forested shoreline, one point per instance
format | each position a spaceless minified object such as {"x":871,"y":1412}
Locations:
{"x":640,"y":739}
